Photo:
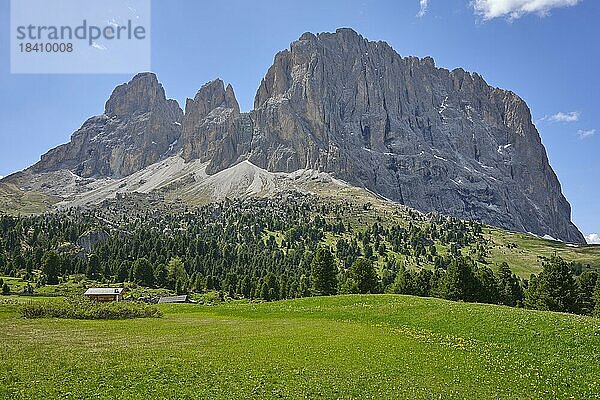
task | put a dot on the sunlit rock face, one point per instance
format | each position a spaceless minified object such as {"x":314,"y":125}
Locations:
{"x":432,"y":139}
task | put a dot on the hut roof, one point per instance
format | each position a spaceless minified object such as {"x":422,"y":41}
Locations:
{"x":104,"y":291}
{"x":173,"y":299}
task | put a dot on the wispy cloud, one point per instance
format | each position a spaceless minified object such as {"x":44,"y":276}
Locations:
{"x":514,"y":9}
{"x":98,"y":46}
{"x":423,"y":10}
{"x":592,"y":238}
{"x":572,"y":116}
{"x":586,"y":133}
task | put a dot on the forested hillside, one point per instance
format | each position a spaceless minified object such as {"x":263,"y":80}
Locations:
{"x":292,"y":245}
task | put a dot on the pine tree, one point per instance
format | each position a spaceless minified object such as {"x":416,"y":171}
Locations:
{"x":511,"y":293}
{"x":161,"y":274}
{"x":597,"y":299}
{"x":199,"y":283}
{"x":264,"y":291}
{"x":404,"y":282}
{"x":555,"y":288}
{"x":323,"y":273}
{"x":422,"y":283}
{"x":246,"y":288}
{"x":363,"y":273}
{"x":93,"y":267}
{"x":123,"y":271}
{"x":459,"y":281}
{"x":586,"y":283}
{"x":349,"y":286}
{"x":486,"y":290}
{"x":143,"y":272}
{"x":304,"y":286}
{"x":178,"y":275}
{"x":51,"y":267}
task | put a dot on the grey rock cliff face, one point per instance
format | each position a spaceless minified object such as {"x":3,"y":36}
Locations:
{"x":139,"y":127}
{"x":214,"y":129}
{"x":433,"y":139}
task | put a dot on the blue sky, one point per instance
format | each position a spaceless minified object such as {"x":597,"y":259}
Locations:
{"x":545,"y":50}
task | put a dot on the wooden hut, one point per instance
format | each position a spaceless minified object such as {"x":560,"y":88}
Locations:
{"x":105,"y":294}
{"x":174,"y":299}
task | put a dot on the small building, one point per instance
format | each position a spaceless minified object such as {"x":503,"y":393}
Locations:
{"x":174,"y":299}
{"x":105,"y":294}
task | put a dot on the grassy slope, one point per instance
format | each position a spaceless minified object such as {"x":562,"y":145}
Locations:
{"x":341,"y":347}
{"x":524,"y":258}
{"x":14,"y":201}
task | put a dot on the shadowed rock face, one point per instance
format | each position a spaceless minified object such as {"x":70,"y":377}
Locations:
{"x":138,"y":128}
{"x":433,"y":139}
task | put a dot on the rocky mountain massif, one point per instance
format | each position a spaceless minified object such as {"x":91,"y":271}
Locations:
{"x":335,"y":103}
{"x":138,"y":128}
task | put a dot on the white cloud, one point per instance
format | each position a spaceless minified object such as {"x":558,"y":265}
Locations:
{"x":424,"y":4}
{"x":592,"y":238}
{"x":572,"y":116}
{"x":513,"y":9}
{"x":98,"y":46}
{"x":586,"y":133}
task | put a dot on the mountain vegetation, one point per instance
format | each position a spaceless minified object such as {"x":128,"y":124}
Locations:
{"x":286,"y":247}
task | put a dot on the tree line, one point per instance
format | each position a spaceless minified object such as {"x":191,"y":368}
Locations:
{"x":273,"y":249}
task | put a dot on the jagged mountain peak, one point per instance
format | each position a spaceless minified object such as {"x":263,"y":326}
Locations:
{"x":143,"y":93}
{"x":430,"y":138}
{"x":213,"y":126}
{"x":210,"y":96}
{"x":138,"y":128}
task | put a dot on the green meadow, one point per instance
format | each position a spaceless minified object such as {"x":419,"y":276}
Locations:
{"x":357,"y":346}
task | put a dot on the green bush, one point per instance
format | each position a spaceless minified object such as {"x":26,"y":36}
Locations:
{"x":83,"y":308}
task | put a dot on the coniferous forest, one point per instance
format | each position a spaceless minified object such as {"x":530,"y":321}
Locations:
{"x":281,"y":248}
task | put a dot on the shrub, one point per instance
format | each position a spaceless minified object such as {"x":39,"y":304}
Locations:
{"x":82,"y":308}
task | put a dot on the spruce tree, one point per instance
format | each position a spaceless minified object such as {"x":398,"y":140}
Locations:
{"x":143,"y":272}
{"x":597,"y":299}
{"x":323,"y":273}
{"x":51,"y":267}
{"x":509,"y":287}
{"x":555,"y":288}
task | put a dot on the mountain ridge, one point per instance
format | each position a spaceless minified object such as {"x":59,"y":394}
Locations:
{"x":427,"y":137}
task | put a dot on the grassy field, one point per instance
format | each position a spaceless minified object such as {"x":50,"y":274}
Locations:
{"x":523,"y":256}
{"x":14,"y":201}
{"x":521,"y":251}
{"x":380,"y":346}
